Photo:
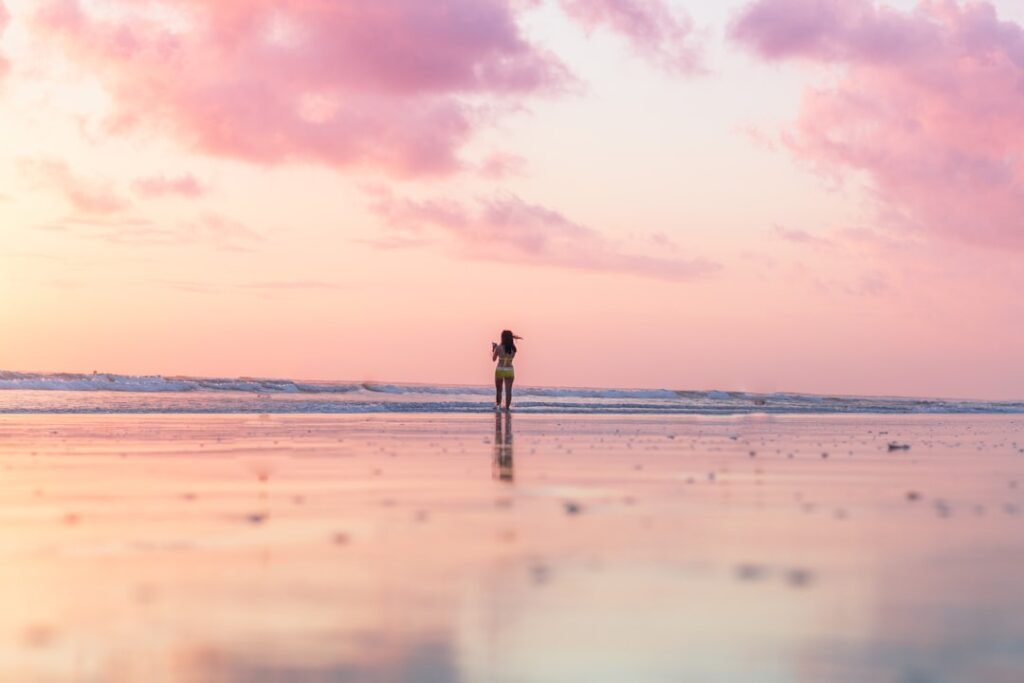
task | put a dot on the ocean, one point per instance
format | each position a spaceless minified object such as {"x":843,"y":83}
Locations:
{"x":52,"y":393}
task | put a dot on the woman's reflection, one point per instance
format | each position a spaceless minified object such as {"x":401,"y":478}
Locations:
{"x":502,"y":468}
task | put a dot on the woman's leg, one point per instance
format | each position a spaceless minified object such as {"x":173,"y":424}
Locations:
{"x":497,"y":391}
{"x":508,"y":392}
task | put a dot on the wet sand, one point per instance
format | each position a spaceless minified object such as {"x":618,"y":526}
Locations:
{"x":538,"y":548}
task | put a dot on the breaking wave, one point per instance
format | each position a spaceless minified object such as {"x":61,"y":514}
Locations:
{"x":23,"y":392}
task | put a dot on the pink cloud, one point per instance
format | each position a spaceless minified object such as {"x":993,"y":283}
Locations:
{"x":223,"y":233}
{"x":210,"y":229}
{"x":797,"y":236}
{"x":84,"y":195}
{"x":162,"y":186}
{"x":502,"y":165}
{"x":929,"y":106}
{"x":4,"y":20}
{"x":832,"y":30}
{"x":347,"y":82}
{"x":652,"y":27}
{"x":508,"y":229}
{"x":293,"y":285}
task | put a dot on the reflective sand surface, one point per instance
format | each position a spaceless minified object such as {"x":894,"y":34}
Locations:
{"x":535,"y":548}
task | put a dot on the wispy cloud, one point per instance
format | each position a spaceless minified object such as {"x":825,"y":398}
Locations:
{"x":927,"y":105}
{"x":4,"y":20}
{"x":508,"y":229}
{"x":187,"y":286}
{"x":210,"y":229}
{"x":162,"y":186}
{"x":871,"y":283}
{"x":263,"y":288}
{"x":87,"y":196}
{"x":293,"y":285}
{"x":500,"y":165}
{"x":803,"y":237}
{"x":221,"y":232}
{"x":654,"y":29}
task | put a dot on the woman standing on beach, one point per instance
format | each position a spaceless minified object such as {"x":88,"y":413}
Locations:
{"x":504,"y":373}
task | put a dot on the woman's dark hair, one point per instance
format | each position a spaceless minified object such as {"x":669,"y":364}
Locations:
{"x":506,"y":341}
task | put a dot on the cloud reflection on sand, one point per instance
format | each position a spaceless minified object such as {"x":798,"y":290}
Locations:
{"x":405,"y":548}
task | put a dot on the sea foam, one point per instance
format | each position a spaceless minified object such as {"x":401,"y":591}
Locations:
{"x":25,"y":392}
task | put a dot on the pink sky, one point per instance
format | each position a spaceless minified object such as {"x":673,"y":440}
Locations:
{"x":803,"y":195}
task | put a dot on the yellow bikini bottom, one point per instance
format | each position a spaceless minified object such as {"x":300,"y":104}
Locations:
{"x":504,"y":373}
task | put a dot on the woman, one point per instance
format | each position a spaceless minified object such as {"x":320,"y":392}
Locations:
{"x":504,"y":373}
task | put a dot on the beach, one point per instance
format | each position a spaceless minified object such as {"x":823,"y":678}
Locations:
{"x":747,"y":273}
{"x":522,"y":547}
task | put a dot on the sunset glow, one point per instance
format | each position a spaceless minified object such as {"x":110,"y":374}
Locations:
{"x":762,"y":195}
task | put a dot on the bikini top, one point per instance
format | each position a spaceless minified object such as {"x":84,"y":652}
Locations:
{"x":505,"y":359}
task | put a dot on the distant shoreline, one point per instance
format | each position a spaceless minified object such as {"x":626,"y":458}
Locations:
{"x":68,"y":393}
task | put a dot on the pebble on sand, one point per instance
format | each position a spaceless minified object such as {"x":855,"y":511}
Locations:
{"x":799,"y":578}
{"x":38,"y":636}
{"x":750,"y":572}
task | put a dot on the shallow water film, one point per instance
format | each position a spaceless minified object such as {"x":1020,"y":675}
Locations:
{"x":447,"y":548}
